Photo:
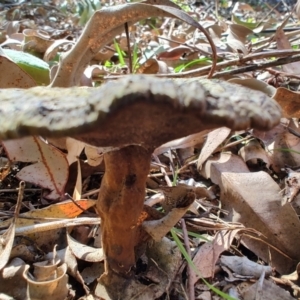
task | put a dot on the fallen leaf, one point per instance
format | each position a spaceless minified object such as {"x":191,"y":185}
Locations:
{"x":214,"y":139}
{"x":254,"y":200}
{"x":289,"y":102}
{"x":50,"y":168}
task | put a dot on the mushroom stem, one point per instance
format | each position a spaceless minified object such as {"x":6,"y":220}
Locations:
{"x":120,"y":203}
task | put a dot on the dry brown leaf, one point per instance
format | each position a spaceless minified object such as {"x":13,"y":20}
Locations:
{"x":214,"y":139}
{"x":289,"y":102}
{"x":50,"y":168}
{"x":66,"y":209}
{"x":254,"y":200}
{"x":215,"y":30}
{"x":297,"y":8}
{"x":152,"y":66}
{"x":285,"y":147}
{"x":94,"y":156}
{"x":283,"y":43}
{"x":5,"y":167}
{"x":267,"y":290}
{"x":208,"y":254}
{"x":186,"y":142}
{"x":237,"y":37}
{"x":74,"y":148}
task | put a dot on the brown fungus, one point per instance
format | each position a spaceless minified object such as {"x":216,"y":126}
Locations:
{"x":133,"y":116}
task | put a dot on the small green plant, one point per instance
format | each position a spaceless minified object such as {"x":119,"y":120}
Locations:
{"x":121,"y":54}
{"x":202,"y":61}
{"x":135,"y":58}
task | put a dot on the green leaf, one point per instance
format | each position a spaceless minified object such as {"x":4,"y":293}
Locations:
{"x":34,"y":66}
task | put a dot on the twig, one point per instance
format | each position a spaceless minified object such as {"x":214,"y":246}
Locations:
{"x":54,"y":225}
{"x":128,"y":48}
{"x":20,"y":199}
{"x":286,"y":54}
{"x":255,"y":67}
{"x":277,"y":72}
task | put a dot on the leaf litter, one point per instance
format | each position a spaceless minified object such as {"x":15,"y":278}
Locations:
{"x":250,"y":209}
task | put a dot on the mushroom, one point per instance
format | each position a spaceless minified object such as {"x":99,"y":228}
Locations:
{"x":131,"y":117}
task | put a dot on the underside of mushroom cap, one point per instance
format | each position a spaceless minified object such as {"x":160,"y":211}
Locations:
{"x":140,"y":110}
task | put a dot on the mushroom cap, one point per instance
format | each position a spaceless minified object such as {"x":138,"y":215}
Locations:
{"x":134,"y":110}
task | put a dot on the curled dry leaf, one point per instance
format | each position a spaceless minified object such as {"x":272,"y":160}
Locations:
{"x":85,"y":252}
{"x":52,"y":286}
{"x":36,"y":41}
{"x":252,"y":151}
{"x":255,"y":84}
{"x":157,"y":229}
{"x":51,"y":50}
{"x":66,"y":256}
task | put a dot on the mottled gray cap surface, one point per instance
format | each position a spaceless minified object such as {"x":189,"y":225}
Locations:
{"x":136,"y":109}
